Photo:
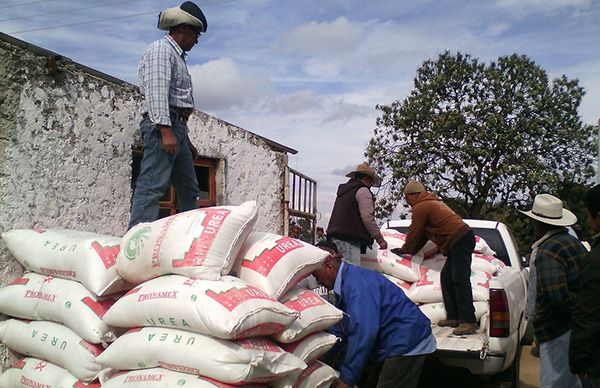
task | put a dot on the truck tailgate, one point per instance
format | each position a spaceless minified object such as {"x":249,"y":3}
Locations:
{"x":448,"y":342}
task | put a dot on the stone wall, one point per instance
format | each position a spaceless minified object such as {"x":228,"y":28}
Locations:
{"x":66,"y":135}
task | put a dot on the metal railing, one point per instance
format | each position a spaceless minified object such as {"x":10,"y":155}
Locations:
{"x":300,"y":203}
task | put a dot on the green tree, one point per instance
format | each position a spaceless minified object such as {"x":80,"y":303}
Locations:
{"x":485,"y":137}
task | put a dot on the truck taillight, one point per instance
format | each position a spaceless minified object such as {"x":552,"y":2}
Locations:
{"x":499,"y":314}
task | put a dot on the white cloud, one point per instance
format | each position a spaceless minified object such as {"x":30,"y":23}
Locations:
{"x":496,"y":29}
{"x":533,"y":6}
{"x":219,"y":85}
{"x":323,"y":39}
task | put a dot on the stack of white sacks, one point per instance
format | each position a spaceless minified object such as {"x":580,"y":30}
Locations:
{"x":419,"y":274}
{"x":189,"y":321}
{"x":56,"y":310}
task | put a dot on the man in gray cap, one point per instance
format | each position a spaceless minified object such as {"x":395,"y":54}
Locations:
{"x":556,"y":261}
{"x":352,"y":225}
{"x":168,"y":102}
{"x":433,"y":220}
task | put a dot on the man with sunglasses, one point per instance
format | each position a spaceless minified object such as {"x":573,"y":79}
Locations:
{"x":168,"y":102}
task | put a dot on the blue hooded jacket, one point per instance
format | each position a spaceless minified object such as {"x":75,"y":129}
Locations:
{"x":380,"y":321}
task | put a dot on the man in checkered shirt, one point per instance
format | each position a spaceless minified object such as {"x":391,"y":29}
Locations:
{"x":167,"y":88}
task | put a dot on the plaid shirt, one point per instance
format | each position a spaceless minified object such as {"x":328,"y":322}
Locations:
{"x":558,"y":264}
{"x":164,"y":80}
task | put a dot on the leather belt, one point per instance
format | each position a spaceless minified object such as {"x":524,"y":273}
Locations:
{"x":177,"y":114}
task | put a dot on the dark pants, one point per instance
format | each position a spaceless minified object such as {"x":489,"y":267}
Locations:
{"x":456,"y":281}
{"x":395,"y":372}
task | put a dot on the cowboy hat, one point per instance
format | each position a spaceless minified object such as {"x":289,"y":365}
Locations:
{"x":367,"y":170}
{"x":549,"y":210}
{"x":187,"y":13}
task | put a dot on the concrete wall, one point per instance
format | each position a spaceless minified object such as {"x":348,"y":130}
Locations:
{"x":65,"y":151}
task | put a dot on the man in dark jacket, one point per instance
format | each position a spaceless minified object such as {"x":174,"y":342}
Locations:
{"x":584,"y":357}
{"x":352,"y":224}
{"x":380,"y":326}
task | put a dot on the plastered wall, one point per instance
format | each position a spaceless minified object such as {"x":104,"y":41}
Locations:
{"x":65,"y":152}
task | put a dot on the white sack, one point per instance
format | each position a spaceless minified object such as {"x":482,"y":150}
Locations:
{"x":311,"y":347}
{"x":52,"y":342}
{"x":39,"y":297}
{"x":200,"y":243}
{"x":226,"y":308}
{"x":86,"y":257}
{"x":404,"y":267}
{"x":429,"y":288}
{"x":33,"y":372}
{"x":403,"y":284}
{"x":481,"y":246}
{"x":316,"y":375}
{"x":164,"y":378}
{"x":249,"y":360}
{"x":275,"y":264}
{"x":436,"y":311}
{"x":316,"y":314}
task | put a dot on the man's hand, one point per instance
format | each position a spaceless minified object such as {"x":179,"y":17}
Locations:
{"x":193,"y":149}
{"x":382,"y":244}
{"x":169,"y":141}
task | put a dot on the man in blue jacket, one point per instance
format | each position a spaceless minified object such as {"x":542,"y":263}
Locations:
{"x":380,"y":326}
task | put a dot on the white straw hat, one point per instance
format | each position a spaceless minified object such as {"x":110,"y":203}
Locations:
{"x":549,"y":210}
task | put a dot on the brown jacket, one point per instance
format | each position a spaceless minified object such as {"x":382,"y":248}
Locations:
{"x":433,"y":220}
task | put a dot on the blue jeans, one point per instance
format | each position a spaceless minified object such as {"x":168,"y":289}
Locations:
{"x":554,"y":357}
{"x":158,"y":169}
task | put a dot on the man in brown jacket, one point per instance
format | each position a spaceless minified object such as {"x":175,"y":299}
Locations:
{"x":433,"y":220}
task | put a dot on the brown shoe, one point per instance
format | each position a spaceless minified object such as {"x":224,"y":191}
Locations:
{"x":466,"y":328}
{"x":448,"y":323}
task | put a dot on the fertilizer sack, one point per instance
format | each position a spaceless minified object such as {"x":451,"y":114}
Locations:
{"x":275,"y":263}
{"x":52,"y":342}
{"x":251,"y":360}
{"x":316,"y":375}
{"x":86,"y":257}
{"x":311,"y":347}
{"x":200,"y":243}
{"x":316,"y":314}
{"x":33,"y":372}
{"x":39,"y":297}
{"x":227,"y":308}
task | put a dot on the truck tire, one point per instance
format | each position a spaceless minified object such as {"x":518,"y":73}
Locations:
{"x":528,"y":337}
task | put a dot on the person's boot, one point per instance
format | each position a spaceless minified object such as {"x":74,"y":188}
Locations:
{"x":466,"y":328}
{"x":448,"y":323}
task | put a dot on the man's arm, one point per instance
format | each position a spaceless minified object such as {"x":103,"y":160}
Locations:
{"x":416,"y":237}
{"x":366,"y":207}
{"x":552,"y":279}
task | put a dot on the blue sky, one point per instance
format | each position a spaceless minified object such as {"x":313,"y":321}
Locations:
{"x":308,"y":73}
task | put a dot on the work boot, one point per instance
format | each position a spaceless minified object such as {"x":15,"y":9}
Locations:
{"x":466,"y":328}
{"x":448,"y":323}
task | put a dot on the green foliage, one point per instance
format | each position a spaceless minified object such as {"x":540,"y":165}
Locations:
{"x":486,"y":138}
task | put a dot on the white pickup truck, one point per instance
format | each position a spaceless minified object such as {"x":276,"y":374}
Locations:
{"x":496,"y":347}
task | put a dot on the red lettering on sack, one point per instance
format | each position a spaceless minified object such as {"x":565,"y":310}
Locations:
{"x":406,"y":261}
{"x":424,"y":281}
{"x":92,"y":348}
{"x":400,"y":236}
{"x":40,"y":365}
{"x":312,"y":367}
{"x":179,"y":368}
{"x":97,"y":306}
{"x":259,"y":344}
{"x":268,"y":258}
{"x":58,"y":272}
{"x":107,"y":254}
{"x":487,"y":283}
{"x":233,"y":297}
{"x":160,"y":241}
{"x":262,"y":329}
{"x":20,"y":364}
{"x":201,"y":245}
{"x":144,"y":377}
{"x":40,"y":295}
{"x":487,"y":258}
{"x":19,"y":281}
{"x":26,"y":381}
{"x":157,"y":295}
{"x":304,"y":300}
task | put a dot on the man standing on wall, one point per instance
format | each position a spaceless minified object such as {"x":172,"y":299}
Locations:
{"x":434,"y":220}
{"x":556,"y":262}
{"x":168,"y":102}
{"x":352,"y":224}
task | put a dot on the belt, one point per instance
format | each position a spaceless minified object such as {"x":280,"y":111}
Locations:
{"x":177,"y":114}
